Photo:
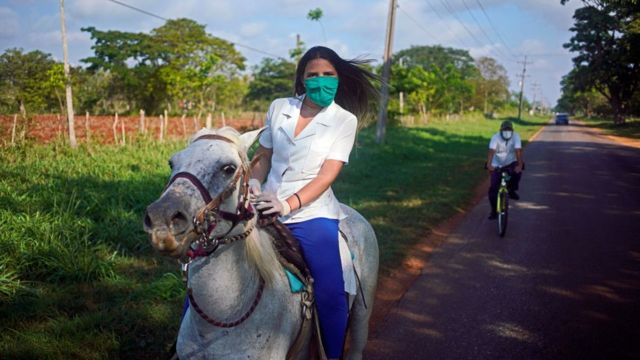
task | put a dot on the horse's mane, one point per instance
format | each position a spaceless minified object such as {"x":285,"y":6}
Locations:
{"x":258,"y":245}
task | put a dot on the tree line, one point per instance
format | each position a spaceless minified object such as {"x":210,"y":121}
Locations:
{"x":180,"y":68}
{"x":606,"y":69}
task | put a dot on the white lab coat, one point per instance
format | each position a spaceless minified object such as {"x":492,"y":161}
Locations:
{"x":297,"y":160}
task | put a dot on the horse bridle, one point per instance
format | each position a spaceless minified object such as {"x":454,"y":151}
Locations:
{"x":208,"y":217}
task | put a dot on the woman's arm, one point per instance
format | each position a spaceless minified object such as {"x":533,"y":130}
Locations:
{"x":328,"y":173}
{"x":261,"y":168}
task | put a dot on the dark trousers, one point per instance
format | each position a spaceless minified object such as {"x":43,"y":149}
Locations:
{"x":496,"y":177}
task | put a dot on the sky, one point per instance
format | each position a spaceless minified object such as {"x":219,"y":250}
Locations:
{"x":506,"y":30}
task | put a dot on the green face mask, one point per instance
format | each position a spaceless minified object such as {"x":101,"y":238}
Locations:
{"x":321,"y":89}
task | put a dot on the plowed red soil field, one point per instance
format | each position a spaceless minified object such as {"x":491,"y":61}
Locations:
{"x":48,"y":127}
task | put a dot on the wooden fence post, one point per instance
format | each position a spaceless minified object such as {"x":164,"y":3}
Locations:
{"x":113,"y":126}
{"x":184,"y":126}
{"x":224,"y":122}
{"x":141,"y":128}
{"x":166,"y":124}
{"x":161,"y":134}
{"x":87,"y":129}
{"x":13,"y":129}
{"x":209,"y":121}
{"x":196,"y":123}
{"x":124,"y":139}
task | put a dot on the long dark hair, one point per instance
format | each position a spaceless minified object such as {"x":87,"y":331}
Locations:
{"x":356,"y":90}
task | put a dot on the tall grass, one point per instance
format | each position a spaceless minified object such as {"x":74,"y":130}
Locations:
{"x":79,"y":280}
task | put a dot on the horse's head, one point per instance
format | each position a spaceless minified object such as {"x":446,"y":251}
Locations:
{"x":208,"y":178}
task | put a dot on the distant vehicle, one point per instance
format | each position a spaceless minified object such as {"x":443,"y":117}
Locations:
{"x":562,"y":119}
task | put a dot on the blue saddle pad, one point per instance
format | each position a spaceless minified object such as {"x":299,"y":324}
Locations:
{"x":294,"y":283}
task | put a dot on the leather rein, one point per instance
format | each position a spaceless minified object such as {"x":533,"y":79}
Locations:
{"x":208,"y":217}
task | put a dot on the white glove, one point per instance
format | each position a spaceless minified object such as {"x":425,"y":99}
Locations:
{"x":255,"y":189}
{"x":268,"y":203}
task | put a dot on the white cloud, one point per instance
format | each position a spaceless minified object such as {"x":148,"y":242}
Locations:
{"x":10,"y":24}
{"x":252,"y":29}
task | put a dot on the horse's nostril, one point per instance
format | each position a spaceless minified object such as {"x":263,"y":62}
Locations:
{"x":147,"y":222}
{"x":179,"y":221}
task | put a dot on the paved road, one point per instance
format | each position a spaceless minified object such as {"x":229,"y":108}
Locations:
{"x":563,"y":284}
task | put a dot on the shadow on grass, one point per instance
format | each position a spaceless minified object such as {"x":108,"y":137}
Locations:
{"x":420,"y":177}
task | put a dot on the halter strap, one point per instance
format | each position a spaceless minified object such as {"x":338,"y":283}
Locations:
{"x":195,"y":181}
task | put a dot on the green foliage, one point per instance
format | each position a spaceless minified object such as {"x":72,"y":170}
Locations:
{"x":177,"y":64}
{"x":492,"y":85}
{"x":608,"y":54}
{"x":629,"y":129}
{"x":25,"y":82}
{"x":315,"y":14}
{"x":437,"y":57}
{"x":442,"y":80}
{"x":272,"y":79}
{"x":77,"y":276}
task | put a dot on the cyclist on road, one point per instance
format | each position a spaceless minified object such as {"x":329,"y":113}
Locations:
{"x":505,"y":151}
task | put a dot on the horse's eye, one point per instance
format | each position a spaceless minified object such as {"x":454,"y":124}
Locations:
{"x":229,"y":169}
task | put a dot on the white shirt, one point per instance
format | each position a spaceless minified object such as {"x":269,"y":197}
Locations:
{"x":505,"y":149}
{"x":297,"y":160}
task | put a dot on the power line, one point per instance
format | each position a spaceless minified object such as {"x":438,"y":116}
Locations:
{"x":482,"y":29}
{"x":444,"y":3}
{"x":416,"y":22}
{"x":453,"y":35}
{"x":480,"y":43}
{"x":494,"y":28}
{"x":165,"y":19}
{"x":139,"y":10}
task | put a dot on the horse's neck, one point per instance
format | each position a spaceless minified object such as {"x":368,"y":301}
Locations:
{"x":224,"y":281}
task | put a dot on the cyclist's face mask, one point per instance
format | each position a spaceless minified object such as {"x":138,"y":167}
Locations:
{"x":506,"y":134}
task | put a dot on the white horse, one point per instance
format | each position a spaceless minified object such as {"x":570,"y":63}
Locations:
{"x":241,"y":305}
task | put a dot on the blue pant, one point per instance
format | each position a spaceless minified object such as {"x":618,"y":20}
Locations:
{"x":318,"y":239}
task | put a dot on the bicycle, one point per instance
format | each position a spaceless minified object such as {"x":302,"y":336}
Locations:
{"x":502,"y":203}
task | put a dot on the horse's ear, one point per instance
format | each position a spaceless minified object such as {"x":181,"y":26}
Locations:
{"x":247,"y":139}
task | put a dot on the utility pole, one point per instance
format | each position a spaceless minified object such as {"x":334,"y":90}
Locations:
{"x":67,"y":80}
{"x":524,"y":70}
{"x":386,"y":70}
{"x":534,"y":90}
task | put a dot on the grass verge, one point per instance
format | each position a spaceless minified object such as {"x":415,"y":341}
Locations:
{"x":79,"y":280}
{"x":630,"y":129}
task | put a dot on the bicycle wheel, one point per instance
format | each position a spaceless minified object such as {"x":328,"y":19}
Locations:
{"x":503,"y":212}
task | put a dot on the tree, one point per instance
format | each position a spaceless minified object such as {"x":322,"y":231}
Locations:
{"x":450,"y":82}
{"x":24,"y":79}
{"x":178,"y":62}
{"x":492,"y":84}
{"x":585,"y":102}
{"x":272,"y":78}
{"x":607,"y":42}
{"x":431,"y":57}
{"x":316,"y":15}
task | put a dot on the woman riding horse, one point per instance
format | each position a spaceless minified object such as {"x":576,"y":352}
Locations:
{"x":307,"y":141}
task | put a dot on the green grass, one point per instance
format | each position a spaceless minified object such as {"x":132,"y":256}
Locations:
{"x":78,"y":278}
{"x":630,"y":129}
